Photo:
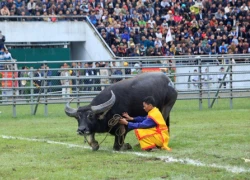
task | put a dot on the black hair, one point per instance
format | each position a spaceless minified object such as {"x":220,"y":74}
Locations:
{"x":150,"y":100}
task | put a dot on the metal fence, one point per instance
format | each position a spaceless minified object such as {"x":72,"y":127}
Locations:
{"x":33,"y":83}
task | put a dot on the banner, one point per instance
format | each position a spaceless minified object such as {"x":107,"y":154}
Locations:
{"x":169,"y":36}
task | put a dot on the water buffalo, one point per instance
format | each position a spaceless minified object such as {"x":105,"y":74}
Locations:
{"x":124,"y":96}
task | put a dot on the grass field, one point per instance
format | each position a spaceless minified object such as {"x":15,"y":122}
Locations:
{"x":207,"y":144}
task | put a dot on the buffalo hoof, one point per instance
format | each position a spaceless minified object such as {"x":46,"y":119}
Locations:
{"x":116,"y":148}
{"x":95,"y":146}
{"x":126,"y":146}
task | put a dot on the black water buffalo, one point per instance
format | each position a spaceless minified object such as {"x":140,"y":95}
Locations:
{"x":123,"y":96}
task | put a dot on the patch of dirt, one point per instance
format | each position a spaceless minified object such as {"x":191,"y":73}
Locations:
{"x":151,"y":159}
{"x":9,"y":147}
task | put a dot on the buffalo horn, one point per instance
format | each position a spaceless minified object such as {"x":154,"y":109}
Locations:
{"x":69,"y":110}
{"x":105,"y":106}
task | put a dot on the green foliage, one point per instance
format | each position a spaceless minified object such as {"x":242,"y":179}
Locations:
{"x":218,"y":136}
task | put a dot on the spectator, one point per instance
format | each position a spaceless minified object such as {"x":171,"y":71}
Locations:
{"x":2,"y":40}
{"x":125,"y":35}
{"x":24,"y":83}
{"x":221,"y":76}
{"x":7,"y":55}
{"x":223,"y":48}
{"x":19,"y":3}
{"x":46,"y":72}
{"x":206,"y":78}
{"x":5,"y":11}
{"x":37,"y":81}
{"x":31,"y":6}
{"x":136,"y":69}
{"x":65,"y":81}
{"x":207,"y":49}
{"x":122,"y":51}
{"x":74,"y":72}
{"x":235,"y":40}
{"x":195,"y":79}
{"x":151,"y":23}
{"x":97,"y":73}
{"x":157,"y":50}
{"x":131,"y":50}
{"x":116,"y":71}
{"x":2,"y":58}
{"x":127,"y":69}
{"x":87,"y":72}
{"x":142,"y":50}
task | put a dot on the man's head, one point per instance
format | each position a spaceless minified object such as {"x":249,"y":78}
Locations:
{"x":97,"y":64}
{"x":149,"y":103}
{"x":73,"y":64}
{"x":90,"y":64}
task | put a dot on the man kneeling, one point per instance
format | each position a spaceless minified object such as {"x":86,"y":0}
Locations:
{"x":151,"y":131}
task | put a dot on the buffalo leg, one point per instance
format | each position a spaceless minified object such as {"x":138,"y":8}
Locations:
{"x":93,"y":143}
{"x":170,"y":101}
{"x":166,"y":114}
{"x":118,"y":143}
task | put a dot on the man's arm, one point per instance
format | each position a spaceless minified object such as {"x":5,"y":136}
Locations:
{"x":139,"y":119}
{"x":147,"y":123}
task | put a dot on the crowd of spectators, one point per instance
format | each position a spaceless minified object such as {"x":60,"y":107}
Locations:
{"x":139,"y":27}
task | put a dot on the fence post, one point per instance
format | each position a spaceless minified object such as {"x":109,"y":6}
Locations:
{"x":218,"y":90}
{"x":208,"y":86}
{"x":77,"y":87}
{"x":200,"y":85}
{"x":231,"y":84}
{"x":13,"y":91}
{"x":31,"y":91}
{"x":45,"y":91}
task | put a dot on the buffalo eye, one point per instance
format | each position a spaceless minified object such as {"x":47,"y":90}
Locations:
{"x":90,"y":116}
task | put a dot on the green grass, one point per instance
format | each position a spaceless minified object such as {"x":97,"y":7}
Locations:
{"x":217,"y":136}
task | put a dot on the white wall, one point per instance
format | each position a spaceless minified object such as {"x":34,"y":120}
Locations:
{"x":86,"y":45}
{"x":214,"y":70}
{"x":43,"y":31}
{"x":94,"y":47}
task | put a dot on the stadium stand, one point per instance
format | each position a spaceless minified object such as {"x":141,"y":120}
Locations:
{"x":140,"y":27}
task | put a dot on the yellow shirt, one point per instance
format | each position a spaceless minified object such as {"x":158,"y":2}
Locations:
{"x":161,"y":126}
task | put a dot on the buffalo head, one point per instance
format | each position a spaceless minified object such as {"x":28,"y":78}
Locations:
{"x":89,"y":117}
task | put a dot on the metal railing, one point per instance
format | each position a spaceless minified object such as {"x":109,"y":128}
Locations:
{"x":24,"y":87}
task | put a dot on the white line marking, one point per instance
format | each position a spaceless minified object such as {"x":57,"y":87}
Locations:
{"x":46,"y":141}
{"x":167,"y":159}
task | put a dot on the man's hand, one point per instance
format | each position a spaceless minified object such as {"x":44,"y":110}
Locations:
{"x":128,"y":118}
{"x":123,"y":121}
